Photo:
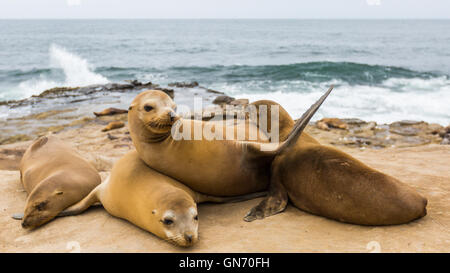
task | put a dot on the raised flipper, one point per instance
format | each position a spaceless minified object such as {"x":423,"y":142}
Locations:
{"x":258,"y":149}
{"x":200,"y":198}
{"x":277,"y":198}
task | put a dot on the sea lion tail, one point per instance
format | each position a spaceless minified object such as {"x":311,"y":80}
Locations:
{"x":301,"y":123}
{"x":84,"y":204}
{"x":232,"y":199}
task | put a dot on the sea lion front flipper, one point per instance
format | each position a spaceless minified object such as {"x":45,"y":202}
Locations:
{"x":17,"y":216}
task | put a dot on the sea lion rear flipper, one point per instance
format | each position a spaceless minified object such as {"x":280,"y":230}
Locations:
{"x":232,"y":199}
{"x":277,"y":199}
{"x":257,"y":149}
{"x":17,"y":216}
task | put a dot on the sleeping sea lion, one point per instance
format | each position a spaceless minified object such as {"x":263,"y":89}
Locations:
{"x":55,"y":176}
{"x":151,"y":200}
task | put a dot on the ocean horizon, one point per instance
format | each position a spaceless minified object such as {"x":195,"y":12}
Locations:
{"x":383,"y":70}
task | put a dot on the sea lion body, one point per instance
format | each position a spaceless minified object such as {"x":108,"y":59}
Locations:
{"x":55,"y":176}
{"x":219,"y":167}
{"x":328,"y":182}
{"x":150,"y":200}
{"x":225,"y":167}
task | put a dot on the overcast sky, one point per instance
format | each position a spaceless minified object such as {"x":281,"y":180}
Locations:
{"x":371,"y":9}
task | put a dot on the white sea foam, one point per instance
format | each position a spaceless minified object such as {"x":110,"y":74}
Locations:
{"x":77,"y":72}
{"x":396,"y":99}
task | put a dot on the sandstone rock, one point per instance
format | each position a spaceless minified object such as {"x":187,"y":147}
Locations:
{"x":241,"y":102}
{"x":223,"y":100}
{"x":322,"y":125}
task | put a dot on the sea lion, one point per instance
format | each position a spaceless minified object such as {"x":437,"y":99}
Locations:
{"x":325,"y":181}
{"x":55,"y":176}
{"x":113,"y":125}
{"x":150,"y":200}
{"x":110,"y":111}
{"x":214,"y":167}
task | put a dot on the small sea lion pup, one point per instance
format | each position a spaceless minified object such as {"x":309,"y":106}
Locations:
{"x":151,"y":200}
{"x":225,"y":167}
{"x":55,"y":176}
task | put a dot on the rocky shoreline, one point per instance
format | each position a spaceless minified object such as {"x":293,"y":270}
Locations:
{"x":354,"y":133}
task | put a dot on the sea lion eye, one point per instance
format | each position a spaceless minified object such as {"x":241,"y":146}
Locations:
{"x":148,"y":108}
{"x":167,"y":222}
{"x":196,"y":217}
{"x":41,"y":206}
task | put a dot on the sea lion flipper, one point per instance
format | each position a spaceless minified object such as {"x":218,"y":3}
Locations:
{"x":84,"y":204}
{"x":275,"y":201}
{"x":258,"y":149}
{"x":17,"y":216}
{"x":301,"y":123}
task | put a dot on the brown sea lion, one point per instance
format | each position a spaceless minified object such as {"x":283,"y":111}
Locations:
{"x":151,"y":200}
{"x":328,"y":182}
{"x":55,"y":176}
{"x":113,"y":125}
{"x":110,"y":111}
{"x":214,"y":167}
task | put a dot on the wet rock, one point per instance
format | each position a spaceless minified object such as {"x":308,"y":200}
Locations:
{"x":113,"y":125}
{"x":214,"y":91}
{"x":223,"y":99}
{"x":405,"y":131}
{"x":110,"y":111}
{"x":168,"y":91}
{"x":353,"y":121}
{"x":55,"y":92}
{"x":184,"y":84}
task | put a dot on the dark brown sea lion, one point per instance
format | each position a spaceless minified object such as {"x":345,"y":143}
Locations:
{"x":328,"y":182}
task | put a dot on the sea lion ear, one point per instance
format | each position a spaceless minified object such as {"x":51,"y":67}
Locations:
{"x":58,"y":192}
{"x":129,"y":108}
{"x":154,"y":211}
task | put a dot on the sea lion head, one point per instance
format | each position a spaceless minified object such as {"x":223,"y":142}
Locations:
{"x":155,"y":111}
{"x":42,"y":207}
{"x":178,"y":221}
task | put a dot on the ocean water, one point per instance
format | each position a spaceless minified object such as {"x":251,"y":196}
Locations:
{"x":382,"y":70}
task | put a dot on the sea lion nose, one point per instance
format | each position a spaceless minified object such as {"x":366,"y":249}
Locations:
{"x":24,"y":224}
{"x":188,"y":238}
{"x":172,"y":116}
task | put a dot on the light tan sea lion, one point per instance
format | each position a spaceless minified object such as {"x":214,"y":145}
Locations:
{"x":328,"y":182}
{"x":213,"y":167}
{"x":55,"y":176}
{"x":150,"y":200}
{"x":113,"y":125}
